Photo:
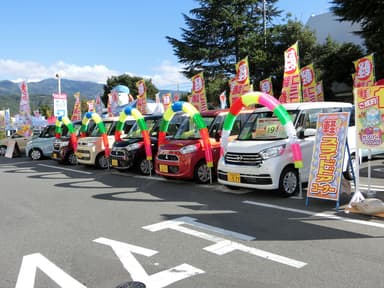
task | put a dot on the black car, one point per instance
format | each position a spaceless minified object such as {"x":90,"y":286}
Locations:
{"x":130,"y":151}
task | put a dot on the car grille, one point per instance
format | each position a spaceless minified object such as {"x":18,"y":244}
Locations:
{"x":118,"y":153}
{"x":243,"y":159}
{"x":168,"y":157}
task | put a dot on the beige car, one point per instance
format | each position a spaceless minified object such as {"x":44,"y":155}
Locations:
{"x":21,"y":143}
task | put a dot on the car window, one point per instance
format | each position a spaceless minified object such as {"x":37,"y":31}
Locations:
{"x":264,"y":126}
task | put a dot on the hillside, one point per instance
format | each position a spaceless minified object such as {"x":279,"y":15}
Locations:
{"x":40,"y":93}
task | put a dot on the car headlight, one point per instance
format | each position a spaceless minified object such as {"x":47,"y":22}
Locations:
{"x":188,"y":149}
{"x":272,"y":152}
{"x":90,"y":144}
{"x":133,"y":146}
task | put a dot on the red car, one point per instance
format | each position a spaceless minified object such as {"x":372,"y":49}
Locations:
{"x":183,"y":156}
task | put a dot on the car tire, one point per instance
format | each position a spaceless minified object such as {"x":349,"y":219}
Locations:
{"x":143,"y":166}
{"x":36,"y":154}
{"x":3,"y":150}
{"x":102,"y":162}
{"x":201,"y":173}
{"x":289,"y":181}
{"x":71,"y":158}
{"x":348,"y":174}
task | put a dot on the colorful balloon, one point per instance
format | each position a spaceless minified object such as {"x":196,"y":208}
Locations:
{"x":272,"y":104}
{"x":142,"y":125}
{"x":196,"y":116}
{"x":100,"y":124}
{"x":71,"y":130}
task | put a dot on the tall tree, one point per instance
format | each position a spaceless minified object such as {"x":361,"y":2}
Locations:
{"x":369,"y":14}
{"x":220,"y":33}
{"x":130,"y":82}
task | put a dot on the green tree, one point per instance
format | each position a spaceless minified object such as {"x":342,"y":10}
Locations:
{"x":369,"y":14}
{"x":220,"y":33}
{"x":271,"y":60}
{"x":130,"y":82}
{"x":334,"y":63}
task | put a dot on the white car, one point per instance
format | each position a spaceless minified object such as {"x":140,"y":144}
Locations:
{"x":260,"y":160}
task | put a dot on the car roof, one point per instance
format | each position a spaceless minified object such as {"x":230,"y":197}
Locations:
{"x":310,"y":105}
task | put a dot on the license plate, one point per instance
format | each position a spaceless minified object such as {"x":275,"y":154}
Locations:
{"x":233,"y":177}
{"x":54,"y":155}
{"x":163,"y":168}
{"x":114,"y":162}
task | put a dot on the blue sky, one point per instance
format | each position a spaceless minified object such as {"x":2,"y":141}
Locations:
{"x":93,"y":40}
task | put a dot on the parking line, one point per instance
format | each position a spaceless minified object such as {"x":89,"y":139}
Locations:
{"x":67,"y":169}
{"x":323,"y":215}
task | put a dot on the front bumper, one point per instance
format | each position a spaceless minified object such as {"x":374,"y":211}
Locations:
{"x":265,"y":176}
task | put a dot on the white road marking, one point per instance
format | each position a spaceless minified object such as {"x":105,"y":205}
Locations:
{"x":66,"y":169}
{"x":221,"y":246}
{"x":314,"y":214}
{"x":158,"y":280}
{"x":29,"y":265}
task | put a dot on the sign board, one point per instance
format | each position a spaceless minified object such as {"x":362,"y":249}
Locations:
{"x":328,"y":155}
{"x":10,"y":148}
{"x":369,"y":102}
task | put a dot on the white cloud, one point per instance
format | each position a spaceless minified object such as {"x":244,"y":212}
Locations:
{"x":166,"y":76}
{"x":34,"y":71}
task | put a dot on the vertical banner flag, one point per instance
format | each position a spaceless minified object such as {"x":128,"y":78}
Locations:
{"x":7,"y":116}
{"x":25,"y":123}
{"x":291,"y":91}
{"x":98,"y":105}
{"x":364,"y":72}
{"x":141,"y":103}
{"x":59,"y":104}
{"x":24,"y":101}
{"x":2,"y":124}
{"x":307,"y":75}
{"x":91,"y":105}
{"x":319,"y":91}
{"x":223,"y":100}
{"x":369,"y":105}
{"x":266,"y":86}
{"x":113,"y":101}
{"x":240,"y":84}
{"x":76,"y":114}
{"x":199,"y":99}
{"x":166,"y":99}
{"x":328,"y":155}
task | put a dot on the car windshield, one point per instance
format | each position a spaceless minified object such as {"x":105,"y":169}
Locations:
{"x":189,"y":130}
{"x":264,"y":126}
{"x":152,"y":126}
{"x":96,"y":131}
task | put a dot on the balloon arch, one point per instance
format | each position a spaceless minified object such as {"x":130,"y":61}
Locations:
{"x":272,"y":104}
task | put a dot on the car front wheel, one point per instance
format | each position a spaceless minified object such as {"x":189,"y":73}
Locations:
{"x":349,"y":173}
{"x":102,"y":161}
{"x":202,"y":173}
{"x":71,"y":158}
{"x":35,"y":154}
{"x":145,"y":166}
{"x":3,"y":150}
{"x":289,"y":182}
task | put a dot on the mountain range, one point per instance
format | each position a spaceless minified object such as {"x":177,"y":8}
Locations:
{"x":40,"y":93}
